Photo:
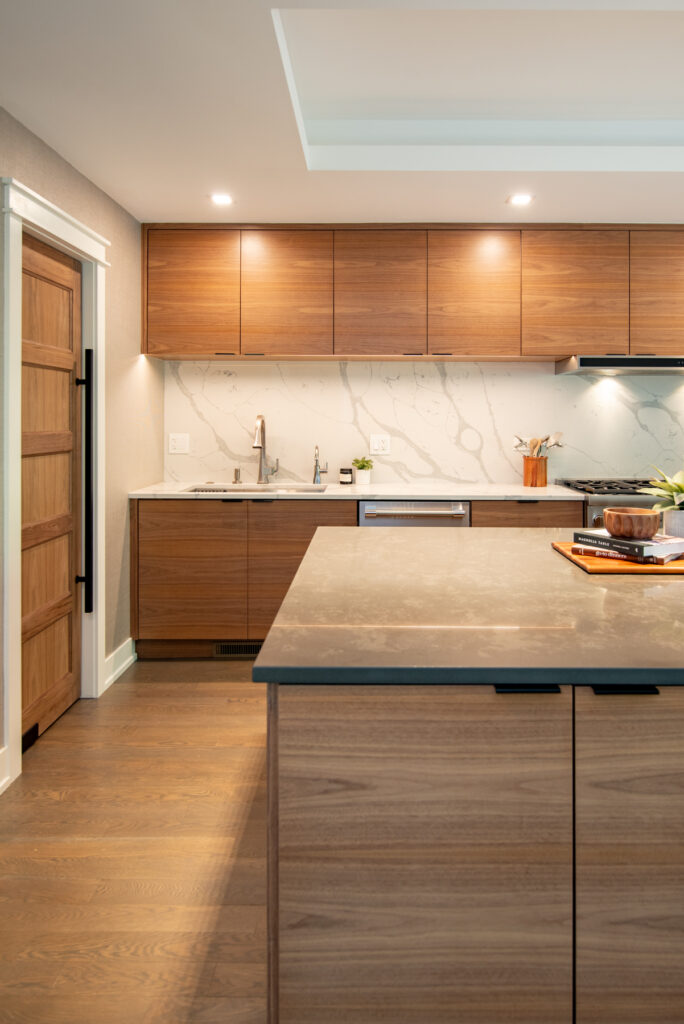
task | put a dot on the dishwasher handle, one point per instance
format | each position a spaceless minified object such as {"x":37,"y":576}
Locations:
{"x":401,"y":513}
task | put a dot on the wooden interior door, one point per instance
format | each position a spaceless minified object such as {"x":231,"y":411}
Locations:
{"x":629,"y":779}
{"x":51,"y":484}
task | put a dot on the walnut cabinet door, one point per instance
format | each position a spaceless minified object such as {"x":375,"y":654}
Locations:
{"x":192,"y":570}
{"x":630,"y":856}
{"x":421,"y":855}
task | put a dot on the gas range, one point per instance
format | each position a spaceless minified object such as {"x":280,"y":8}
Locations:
{"x":602,"y":493}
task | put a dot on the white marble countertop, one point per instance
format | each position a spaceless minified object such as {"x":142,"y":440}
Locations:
{"x":426,"y":491}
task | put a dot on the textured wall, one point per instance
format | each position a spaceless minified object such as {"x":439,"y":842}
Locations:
{"x":450,"y":421}
{"x":134,"y":397}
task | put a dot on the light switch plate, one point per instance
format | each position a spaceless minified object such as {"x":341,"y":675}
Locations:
{"x":179,"y":444}
{"x":380,"y":444}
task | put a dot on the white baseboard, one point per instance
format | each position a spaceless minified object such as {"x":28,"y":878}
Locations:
{"x":5,"y":778}
{"x":118,"y":661}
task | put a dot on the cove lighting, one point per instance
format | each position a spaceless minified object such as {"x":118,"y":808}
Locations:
{"x":221,"y":199}
{"x":520,"y":199}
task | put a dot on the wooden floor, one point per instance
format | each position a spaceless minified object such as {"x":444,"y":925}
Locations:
{"x":132,"y":856}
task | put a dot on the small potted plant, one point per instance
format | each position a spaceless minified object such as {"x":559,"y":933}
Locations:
{"x":362,"y":470}
{"x":670,"y":490}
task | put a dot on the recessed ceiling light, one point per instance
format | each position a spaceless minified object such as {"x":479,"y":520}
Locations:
{"x":221,"y":199}
{"x":520,"y":199}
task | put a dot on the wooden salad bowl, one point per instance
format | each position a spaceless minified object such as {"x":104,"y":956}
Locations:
{"x":636,"y":523}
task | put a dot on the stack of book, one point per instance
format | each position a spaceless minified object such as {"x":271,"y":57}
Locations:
{"x":657,"y":550}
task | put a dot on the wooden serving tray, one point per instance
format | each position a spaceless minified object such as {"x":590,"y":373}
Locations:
{"x":616,"y":567}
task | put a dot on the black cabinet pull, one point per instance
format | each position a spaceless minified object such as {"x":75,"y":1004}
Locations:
{"x":527,"y":688}
{"x":606,"y":690}
{"x":527,"y":501}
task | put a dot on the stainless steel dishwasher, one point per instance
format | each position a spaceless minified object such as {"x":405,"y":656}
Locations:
{"x":414,"y":513}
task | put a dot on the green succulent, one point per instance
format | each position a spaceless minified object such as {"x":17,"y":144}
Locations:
{"x":670,"y":489}
{"x":366,"y":463}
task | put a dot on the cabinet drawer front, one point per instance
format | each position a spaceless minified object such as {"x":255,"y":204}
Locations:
{"x":527,"y":513}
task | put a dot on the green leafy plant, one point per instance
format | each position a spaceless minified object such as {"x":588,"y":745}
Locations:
{"x":366,"y":463}
{"x":670,"y":489}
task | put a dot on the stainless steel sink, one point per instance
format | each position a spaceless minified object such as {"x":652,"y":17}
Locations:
{"x":255,"y":488}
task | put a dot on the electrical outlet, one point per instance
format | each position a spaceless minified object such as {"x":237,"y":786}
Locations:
{"x":179,"y":444}
{"x":380,"y":444}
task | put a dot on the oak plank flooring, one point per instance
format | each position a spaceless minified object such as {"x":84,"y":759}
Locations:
{"x":133,"y":856}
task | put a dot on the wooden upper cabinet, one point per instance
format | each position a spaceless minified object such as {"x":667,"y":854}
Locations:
{"x":380,"y":293}
{"x":474,"y":293}
{"x":575,"y":292}
{"x":287,"y":293}
{"x":193,"y":292}
{"x":656,"y":300}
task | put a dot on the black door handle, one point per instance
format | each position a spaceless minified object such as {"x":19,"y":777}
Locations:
{"x":87,"y":579}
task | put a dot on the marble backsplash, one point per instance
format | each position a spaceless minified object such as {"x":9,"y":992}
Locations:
{"x":452,"y":422}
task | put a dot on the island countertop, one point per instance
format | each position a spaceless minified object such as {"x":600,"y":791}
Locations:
{"x":469,"y":606}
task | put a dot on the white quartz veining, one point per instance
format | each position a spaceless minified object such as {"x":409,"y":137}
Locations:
{"x":450,"y":424}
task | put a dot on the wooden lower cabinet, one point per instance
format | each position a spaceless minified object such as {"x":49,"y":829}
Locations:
{"x":420,"y":855}
{"x":191,"y":569}
{"x":630,"y":857}
{"x":212,"y":570}
{"x":279,"y":534}
{"x":527,"y":512}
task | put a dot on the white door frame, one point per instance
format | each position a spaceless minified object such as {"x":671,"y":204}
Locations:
{"x":23,"y":209}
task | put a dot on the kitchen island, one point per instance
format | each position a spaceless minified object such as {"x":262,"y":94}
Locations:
{"x":476,"y":780}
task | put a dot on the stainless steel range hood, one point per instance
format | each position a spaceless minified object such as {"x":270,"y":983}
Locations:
{"x":613,"y":365}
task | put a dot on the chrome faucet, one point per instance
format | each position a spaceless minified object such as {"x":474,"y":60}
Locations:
{"x":317,"y":467}
{"x":260,"y":442}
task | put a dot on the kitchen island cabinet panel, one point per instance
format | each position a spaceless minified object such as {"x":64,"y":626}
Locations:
{"x":575,"y":292}
{"x":287,"y":293}
{"x":192,"y":292}
{"x":380,"y":293}
{"x":279,"y":534}
{"x":527,"y":512}
{"x":474,"y":293}
{"x":424,"y":855}
{"x":656,"y":293}
{"x":192,"y":570}
{"x":630,"y":857}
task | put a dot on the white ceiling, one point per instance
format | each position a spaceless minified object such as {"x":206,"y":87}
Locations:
{"x":331,"y":113}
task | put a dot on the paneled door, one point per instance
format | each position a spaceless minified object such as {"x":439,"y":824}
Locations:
{"x":51,"y":484}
